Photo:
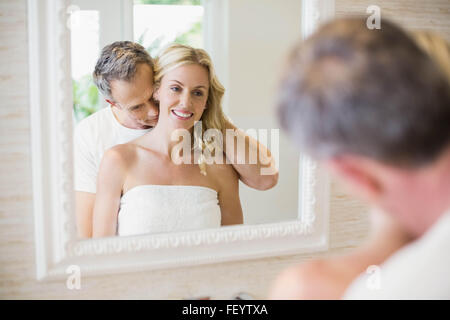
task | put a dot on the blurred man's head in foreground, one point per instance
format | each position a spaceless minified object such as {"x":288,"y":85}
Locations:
{"x":375,"y":108}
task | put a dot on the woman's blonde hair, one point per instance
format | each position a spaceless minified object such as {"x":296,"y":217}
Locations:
{"x":177,"y":55}
{"x":436,"y":47}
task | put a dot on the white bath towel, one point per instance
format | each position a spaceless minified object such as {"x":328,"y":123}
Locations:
{"x":149,"y":209}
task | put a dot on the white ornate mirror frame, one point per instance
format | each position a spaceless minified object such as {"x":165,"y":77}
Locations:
{"x":51,"y":122}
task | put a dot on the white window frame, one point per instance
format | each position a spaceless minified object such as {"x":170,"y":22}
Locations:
{"x":115,"y":18}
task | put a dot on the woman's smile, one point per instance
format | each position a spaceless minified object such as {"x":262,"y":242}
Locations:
{"x":182,"y":114}
{"x":183,"y":95}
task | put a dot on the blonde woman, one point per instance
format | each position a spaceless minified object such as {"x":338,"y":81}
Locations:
{"x":141,"y":189}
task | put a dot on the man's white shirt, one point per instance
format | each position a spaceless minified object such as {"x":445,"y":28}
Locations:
{"x":421,"y":270}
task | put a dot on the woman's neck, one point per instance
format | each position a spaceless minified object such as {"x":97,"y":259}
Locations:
{"x":164,"y":138}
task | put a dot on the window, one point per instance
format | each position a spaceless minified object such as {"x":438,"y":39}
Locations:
{"x":84,"y":26}
{"x":158,"y":23}
{"x":152,"y":23}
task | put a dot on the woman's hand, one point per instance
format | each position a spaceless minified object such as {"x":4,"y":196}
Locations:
{"x":262,"y":175}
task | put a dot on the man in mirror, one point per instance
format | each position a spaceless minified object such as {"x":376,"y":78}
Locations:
{"x":373,"y":108}
{"x":124,"y":76}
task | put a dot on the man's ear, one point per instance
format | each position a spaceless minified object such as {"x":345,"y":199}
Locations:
{"x":357,"y":176}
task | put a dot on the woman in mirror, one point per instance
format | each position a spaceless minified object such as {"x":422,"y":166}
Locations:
{"x":142,"y":188}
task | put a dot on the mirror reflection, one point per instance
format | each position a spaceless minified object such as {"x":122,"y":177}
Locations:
{"x":172,"y":133}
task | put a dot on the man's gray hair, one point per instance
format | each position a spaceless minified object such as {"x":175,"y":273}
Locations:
{"x":374,"y":93}
{"x":118,"y":61}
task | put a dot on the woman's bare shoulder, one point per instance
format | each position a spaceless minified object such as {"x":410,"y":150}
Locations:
{"x":114,"y":169}
{"x":121,"y":155}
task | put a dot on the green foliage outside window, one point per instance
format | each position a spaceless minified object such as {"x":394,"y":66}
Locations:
{"x":85,"y":97}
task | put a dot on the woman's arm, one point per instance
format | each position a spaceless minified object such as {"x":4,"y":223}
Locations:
{"x":230,"y":204}
{"x":261,"y":176}
{"x":110,"y":182}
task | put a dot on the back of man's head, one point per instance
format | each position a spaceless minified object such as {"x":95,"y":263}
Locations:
{"x":373,"y":93}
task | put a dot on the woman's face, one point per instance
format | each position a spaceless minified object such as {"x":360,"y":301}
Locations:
{"x":182,"y":95}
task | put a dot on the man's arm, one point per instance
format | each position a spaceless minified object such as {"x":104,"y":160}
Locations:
{"x":261,"y":175}
{"x":328,"y":278}
{"x":84,"y":207}
{"x":85,"y":180}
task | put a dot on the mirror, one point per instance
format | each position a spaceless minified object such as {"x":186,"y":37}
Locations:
{"x":248,"y":54}
{"x":251,"y":57}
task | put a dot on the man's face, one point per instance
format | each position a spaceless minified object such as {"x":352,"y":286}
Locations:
{"x":134,"y":99}
{"x":397,"y":191}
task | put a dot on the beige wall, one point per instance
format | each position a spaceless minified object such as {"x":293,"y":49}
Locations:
{"x":349,"y":223}
{"x":412,"y":14}
{"x":257,"y":50}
